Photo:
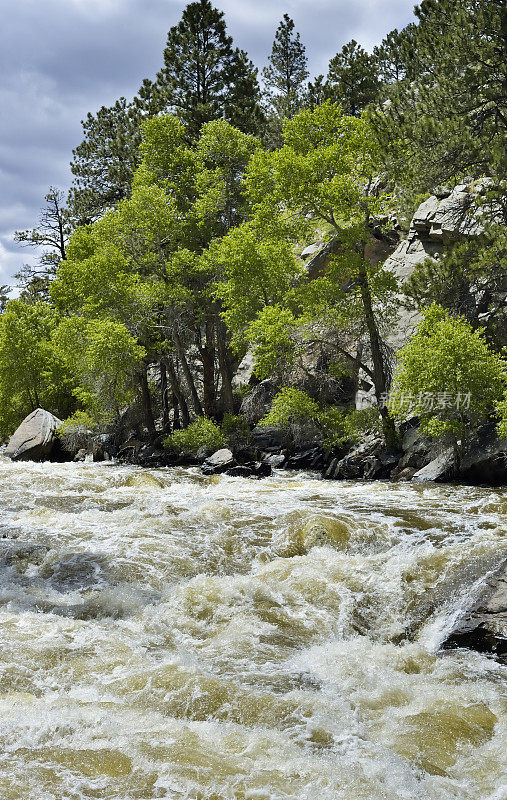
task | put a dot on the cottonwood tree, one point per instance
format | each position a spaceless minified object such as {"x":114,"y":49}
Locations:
{"x":320,"y":175}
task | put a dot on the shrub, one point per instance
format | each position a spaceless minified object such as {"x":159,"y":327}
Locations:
{"x":341,"y":427}
{"x":290,"y":406}
{"x":236,"y":431}
{"x":448,"y":376}
{"x":202,"y":434}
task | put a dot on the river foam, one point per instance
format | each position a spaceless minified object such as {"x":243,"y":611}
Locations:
{"x":167,"y":635}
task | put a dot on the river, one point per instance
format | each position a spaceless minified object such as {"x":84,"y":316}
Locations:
{"x":167,"y":635}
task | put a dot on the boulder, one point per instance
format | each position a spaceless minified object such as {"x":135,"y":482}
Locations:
{"x":483,"y":626}
{"x":257,"y":403}
{"x":486,"y":464}
{"x":36,"y":438}
{"x":256,"y":469}
{"x":439,"y":469}
{"x":80,"y":455}
{"x":275,"y":460}
{"x":311,"y":457}
{"x":219,"y":462}
{"x":371,"y":459}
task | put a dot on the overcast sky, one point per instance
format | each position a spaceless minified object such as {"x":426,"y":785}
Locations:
{"x":60,"y":59}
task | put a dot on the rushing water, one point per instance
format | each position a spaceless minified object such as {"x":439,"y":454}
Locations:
{"x":166,"y":635}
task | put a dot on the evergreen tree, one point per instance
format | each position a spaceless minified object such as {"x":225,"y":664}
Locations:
{"x":396,"y":55}
{"x":204,"y":77}
{"x":105,"y":161}
{"x":451,"y":121}
{"x":287,"y":71}
{"x":353,"y":79}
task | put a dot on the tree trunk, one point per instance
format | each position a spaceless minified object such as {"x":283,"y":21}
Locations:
{"x":146,"y":404}
{"x":178,"y":393}
{"x":225,"y":371}
{"x":379,"y":371}
{"x":208,"y":370}
{"x":164,"y":393}
{"x":188,"y":375}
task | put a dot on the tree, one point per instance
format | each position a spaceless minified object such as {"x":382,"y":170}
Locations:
{"x":142,"y":267}
{"x":321,"y":175}
{"x":4,"y":297}
{"x":31,"y":372}
{"x":204,"y":77}
{"x":104,"y":163}
{"x":470,"y":281}
{"x":451,"y":120}
{"x":50,"y":238}
{"x":395,"y":57}
{"x":448,"y":376}
{"x":352,"y":79}
{"x":287,"y":71}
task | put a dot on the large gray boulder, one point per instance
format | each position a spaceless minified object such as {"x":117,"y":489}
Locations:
{"x":219,"y":462}
{"x":483,"y":626}
{"x":36,"y":437}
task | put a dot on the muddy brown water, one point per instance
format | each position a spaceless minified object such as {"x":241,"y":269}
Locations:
{"x":166,"y":635}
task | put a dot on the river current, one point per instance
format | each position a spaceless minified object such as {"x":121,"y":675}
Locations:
{"x":168,"y":635}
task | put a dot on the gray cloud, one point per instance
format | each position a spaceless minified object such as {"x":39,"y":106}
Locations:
{"x":62,"y":58}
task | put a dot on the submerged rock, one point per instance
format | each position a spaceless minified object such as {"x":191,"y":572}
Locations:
{"x":484,"y":626}
{"x":36,"y":438}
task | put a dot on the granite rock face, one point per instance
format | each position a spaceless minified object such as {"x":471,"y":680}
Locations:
{"x":36,"y":437}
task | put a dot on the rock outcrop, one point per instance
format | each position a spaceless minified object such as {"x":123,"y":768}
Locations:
{"x":483,"y":627}
{"x":36,"y":438}
{"x":369,"y":460}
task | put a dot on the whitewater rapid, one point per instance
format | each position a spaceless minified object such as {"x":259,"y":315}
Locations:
{"x":167,"y":635}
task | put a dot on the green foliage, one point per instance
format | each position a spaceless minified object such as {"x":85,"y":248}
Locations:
{"x":396,"y":57}
{"x":103,"y":356}
{"x":447,"y":375}
{"x":353,"y":79}
{"x":287,"y":71}
{"x":469,"y":280}
{"x":342,"y":427}
{"x":272,"y":338}
{"x":204,"y":77}
{"x":502,"y":413}
{"x":32,"y":373}
{"x":290,"y":406}
{"x":103,"y":164}
{"x":236,"y":431}
{"x":202,"y":434}
{"x":449,"y":119}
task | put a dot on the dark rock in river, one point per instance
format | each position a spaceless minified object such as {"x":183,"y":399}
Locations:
{"x":484,"y":626}
{"x":256,"y":469}
{"x":36,"y":438}
{"x":371,"y":459}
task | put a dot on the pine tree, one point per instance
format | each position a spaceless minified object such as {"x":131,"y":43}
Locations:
{"x":287,"y":71}
{"x":452,"y":119}
{"x":105,"y":161}
{"x":204,"y":77}
{"x":396,"y":55}
{"x":353,"y":79}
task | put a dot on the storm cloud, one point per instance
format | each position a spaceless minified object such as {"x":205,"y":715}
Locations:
{"x":60,"y":59}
